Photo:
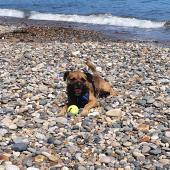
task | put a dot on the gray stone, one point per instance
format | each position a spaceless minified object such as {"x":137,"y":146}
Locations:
{"x":139,"y":156}
{"x":21,"y":123}
{"x":104,"y":159}
{"x":33,"y":168}
{"x":157,"y":104}
{"x":61,"y":120}
{"x":117,"y":113}
{"x":145,"y":149}
{"x":3,"y":132}
{"x":164,"y":81}
{"x":40,"y":136}
{"x":81,"y":168}
{"x":19,"y":147}
{"x":155,"y":151}
{"x":11,"y":167}
{"x":141,"y":102}
{"x":167,"y":134}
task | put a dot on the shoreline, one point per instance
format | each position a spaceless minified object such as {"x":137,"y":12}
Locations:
{"x":86,"y":34}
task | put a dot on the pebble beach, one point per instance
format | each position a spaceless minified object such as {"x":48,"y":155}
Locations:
{"x":127,"y":132}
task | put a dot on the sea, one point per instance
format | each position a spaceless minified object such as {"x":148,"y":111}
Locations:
{"x":145,"y":20}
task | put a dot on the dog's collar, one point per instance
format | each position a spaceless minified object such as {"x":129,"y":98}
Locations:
{"x":82,"y":100}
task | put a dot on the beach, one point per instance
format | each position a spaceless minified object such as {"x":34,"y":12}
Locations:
{"x":130,"y":131}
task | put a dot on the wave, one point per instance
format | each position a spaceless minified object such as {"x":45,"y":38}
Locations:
{"x":101,"y":19}
{"x":11,"y":13}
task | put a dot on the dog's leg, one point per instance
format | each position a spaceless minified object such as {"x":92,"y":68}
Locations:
{"x":113,"y":92}
{"x":92,"y":103}
{"x":63,"y":110}
{"x":106,"y":87}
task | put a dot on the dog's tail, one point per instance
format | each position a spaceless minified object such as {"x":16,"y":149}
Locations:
{"x":91,"y":66}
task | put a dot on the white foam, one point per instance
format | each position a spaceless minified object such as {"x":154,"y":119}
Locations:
{"x":98,"y":19}
{"x":11,"y":13}
{"x":103,"y":19}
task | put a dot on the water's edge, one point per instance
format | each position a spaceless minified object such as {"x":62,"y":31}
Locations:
{"x":113,"y":36}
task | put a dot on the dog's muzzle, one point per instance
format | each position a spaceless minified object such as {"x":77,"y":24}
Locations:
{"x":78,"y":88}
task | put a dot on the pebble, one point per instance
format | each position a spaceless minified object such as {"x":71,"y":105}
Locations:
{"x":19,"y":147}
{"x":11,"y":167}
{"x":145,"y":149}
{"x":104,"y":159}
{"x":61,"y":120}
{"x":155,"y":151}
{"x":127,"y":144}
{"x":167,"y":134}
{"x":116,"y":113}
{"x":139,"y":156}
{"x":33,"y":168}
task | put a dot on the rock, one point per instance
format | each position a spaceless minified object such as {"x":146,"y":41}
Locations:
{"x":164,"y":81}
{"x":104,"y":159}
{"x":75,"y":53}
{"x":4,"y":157}
{"x":21,"y":123}
{"x":40,"y":136}
{"x":33,"y":168}
{"x":3,"y":132}
{"x":167,"y":134}
{"x":39,"y":158}
{"x":139,"y":156}
{"x":11,"y":167}
{"x":61,"y":120}
{"x":149,"y":99}
{"x":19,"y":147}
{"x":115,"y":113}
{"x":81,"y":168}
{"x":54,"y":158}
{"x":165,"y":161}
{"x":64,"y":168}
{"x":54,"y":141}
{"x":13,"y":126}
{"x":19,"y":139}
{"x":157,"y":104}
{"x":38,"y":67}
{"x":141,"y":102}
{"x":155,"y":151}
{"x":127,"y":144}
{"x":145,"y":139}
{"x":154,"y":137}
{"x":145,"y":149}
{"x":2,"y":167}
{"x":143,"y":127}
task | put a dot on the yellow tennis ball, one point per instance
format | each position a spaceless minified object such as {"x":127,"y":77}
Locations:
{"x":73,"y":109}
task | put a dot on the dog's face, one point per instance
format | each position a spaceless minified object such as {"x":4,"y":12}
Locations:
{"x":76,"y":82}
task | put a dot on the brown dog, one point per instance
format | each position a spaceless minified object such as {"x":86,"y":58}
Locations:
{"x":84,"y":88}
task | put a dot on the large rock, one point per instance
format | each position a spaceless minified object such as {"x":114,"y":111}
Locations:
{"x":11,"y":167}
{"x":19,"y":147}
{"x":114,"y":113}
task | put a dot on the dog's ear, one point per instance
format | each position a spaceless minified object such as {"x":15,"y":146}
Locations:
{"x":66,"y":75}
{"x":89,"y":76}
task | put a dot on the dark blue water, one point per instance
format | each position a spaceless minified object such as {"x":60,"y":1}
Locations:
{"x":154,"y":11}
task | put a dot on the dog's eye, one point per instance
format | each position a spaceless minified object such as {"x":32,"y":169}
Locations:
{"x":82,"y":79}
{"x":72,"y":79}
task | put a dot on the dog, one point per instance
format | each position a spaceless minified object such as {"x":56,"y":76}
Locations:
{"x":84,"y":88}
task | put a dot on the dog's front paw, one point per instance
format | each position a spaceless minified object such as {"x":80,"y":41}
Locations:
{"x":63,"y":111}
{"x":114,"y":93}
{"x":84,"y":113}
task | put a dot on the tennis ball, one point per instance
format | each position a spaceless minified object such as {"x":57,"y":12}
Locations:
{"x":73,"y":109}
